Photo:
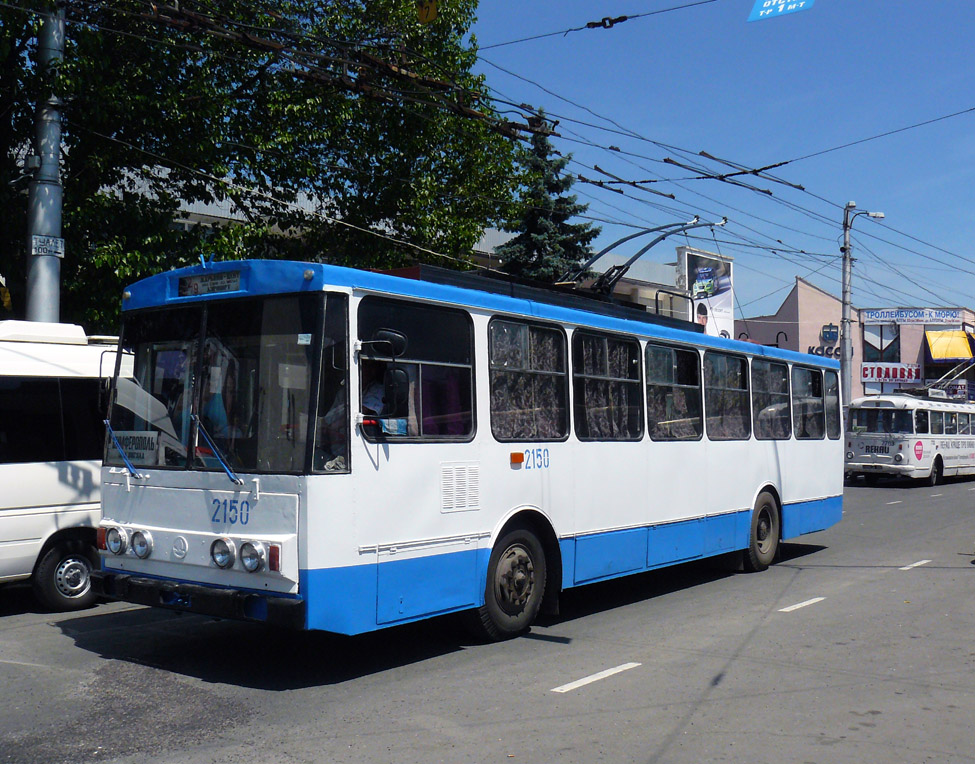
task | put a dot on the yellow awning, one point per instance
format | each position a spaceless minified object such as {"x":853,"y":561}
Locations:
{"x":948,"y":346}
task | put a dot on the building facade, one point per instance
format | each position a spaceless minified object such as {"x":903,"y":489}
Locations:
{"x":893,"y":348}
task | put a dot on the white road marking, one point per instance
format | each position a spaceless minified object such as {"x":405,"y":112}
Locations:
{"x":935,"y":495}
{"x":24,"y":663}
{"x":594,"y":677}
{"x":798,"y":605}
{"x":894,"y":502}
{"x":917,"y":564}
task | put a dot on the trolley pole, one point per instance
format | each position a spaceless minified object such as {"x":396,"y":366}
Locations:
{"x":45,"y":247}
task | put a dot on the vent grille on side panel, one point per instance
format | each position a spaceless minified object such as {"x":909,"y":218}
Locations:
{"x":460,"y":487}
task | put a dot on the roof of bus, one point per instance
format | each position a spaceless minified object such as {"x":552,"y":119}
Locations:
{"x":249,"y":278}
{"x":907,"y":401}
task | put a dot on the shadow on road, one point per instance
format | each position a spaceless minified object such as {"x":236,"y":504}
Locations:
{"x":267,"y":658}
{"x":901,"y":483}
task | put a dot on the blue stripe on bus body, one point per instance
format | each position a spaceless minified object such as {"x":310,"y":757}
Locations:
{"x":267,"y":277}
{"x":810,"y":516}
{"x":362,"y":598}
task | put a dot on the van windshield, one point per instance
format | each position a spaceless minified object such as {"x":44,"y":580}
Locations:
{"x":877,"y":420}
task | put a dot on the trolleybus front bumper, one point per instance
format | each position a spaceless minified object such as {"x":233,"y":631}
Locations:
{"x":872,"y":468}
{"x":193,"y":598}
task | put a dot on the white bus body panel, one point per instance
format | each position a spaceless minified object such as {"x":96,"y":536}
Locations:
{"x":41,"y":498}
{"x":171,"y":505}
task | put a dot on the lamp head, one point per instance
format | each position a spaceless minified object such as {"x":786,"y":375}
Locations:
{"x":877,"y":215}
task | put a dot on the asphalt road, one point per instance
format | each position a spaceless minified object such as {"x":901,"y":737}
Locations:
{"x":856,"y":647}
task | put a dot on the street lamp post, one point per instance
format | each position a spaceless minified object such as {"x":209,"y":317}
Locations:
{"x":846,"y":345}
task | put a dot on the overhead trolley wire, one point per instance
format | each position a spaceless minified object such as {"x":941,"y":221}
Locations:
{"x":604,"y":23}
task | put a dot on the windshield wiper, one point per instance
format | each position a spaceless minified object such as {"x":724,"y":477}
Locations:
{"x":216,"y":451}
{"x":121,"y":451}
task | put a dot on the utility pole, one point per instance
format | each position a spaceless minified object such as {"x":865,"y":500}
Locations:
{"x":846,"y":340}
{"x":45,"y":247}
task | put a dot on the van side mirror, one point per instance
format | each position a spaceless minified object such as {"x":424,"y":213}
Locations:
{"x":396,"y":393}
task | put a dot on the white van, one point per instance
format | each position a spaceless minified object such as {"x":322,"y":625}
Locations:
{"x":52,"y":402}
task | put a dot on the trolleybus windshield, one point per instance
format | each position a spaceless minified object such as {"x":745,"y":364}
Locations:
{"x":878,"y":420}
{"x":244,"y":367}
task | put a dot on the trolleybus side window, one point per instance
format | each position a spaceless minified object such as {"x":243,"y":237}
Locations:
{"x":332,"y":433}
{"x":438,"y":361}
{"x":963,"y":425}
{"x":607,"y":394}
{"x":726,"y":396}
{"x":937,"y":423}
{"x":921,"y":422}
{"x":951,"y":423}
{"x":808,"y":404}
{"x":834,"y":424}
{"x":770,"y":400}
{"x":529,"y":381}
{"x":673,"y":393}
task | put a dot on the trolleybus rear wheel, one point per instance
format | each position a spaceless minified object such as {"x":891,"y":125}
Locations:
{"x":763,"y":540}
{"x":937,"y":470}
{"x":515,"y":586}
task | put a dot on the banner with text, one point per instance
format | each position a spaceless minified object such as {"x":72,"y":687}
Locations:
{"x":951,"y":316}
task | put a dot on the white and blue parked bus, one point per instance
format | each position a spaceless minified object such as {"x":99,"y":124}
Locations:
{"x":337,"y":449}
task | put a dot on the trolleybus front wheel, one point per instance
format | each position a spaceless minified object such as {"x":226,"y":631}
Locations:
{"x":515,"y":586}
{"x":763,"y":540}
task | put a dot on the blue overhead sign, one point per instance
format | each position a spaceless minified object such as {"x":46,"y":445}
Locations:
{"x":767,"y":9}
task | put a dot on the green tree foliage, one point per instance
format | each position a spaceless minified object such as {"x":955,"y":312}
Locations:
{"x":313,"y":146}
{"x":547,"y":244}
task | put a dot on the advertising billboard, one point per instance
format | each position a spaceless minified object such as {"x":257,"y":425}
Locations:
{"x":708,"y":279}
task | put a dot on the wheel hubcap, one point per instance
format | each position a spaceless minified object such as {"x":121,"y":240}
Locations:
{"x":73,"y":576}
{"x":515,"y":579}
{"x":763,"y":532}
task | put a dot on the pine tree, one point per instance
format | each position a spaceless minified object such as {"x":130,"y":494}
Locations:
{"x":546,"y":245}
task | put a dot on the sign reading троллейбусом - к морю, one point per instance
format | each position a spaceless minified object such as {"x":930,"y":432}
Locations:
{"x":767,"y":9}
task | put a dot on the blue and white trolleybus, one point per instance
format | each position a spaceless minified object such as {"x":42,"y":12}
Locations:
{"x":337,"y":449}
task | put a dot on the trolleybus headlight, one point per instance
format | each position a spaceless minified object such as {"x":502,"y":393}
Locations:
{"x":117,"y":540}
{"x":898,"y":457}
{"x":252,"y":556}
{"x":849,"y":454}
{"x":142,"y":544}
{"x":223,"y":553}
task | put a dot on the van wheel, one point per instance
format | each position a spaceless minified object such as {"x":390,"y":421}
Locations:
{"x":515,"y":586}
{"x":937,"y":470}
{"x":763,"y":540}
{"x":62,"y":579}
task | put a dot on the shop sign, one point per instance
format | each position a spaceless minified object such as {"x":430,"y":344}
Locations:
{"x":959,"y":389}
{"x":951,"y":316}
{"x":825,"y":350}
{"x":890,"y":372}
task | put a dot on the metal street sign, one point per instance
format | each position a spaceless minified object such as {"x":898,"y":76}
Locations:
{"x":47,"y":245}
{"x":767,"y":9}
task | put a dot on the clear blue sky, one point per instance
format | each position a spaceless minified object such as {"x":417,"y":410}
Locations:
{"x":758,"y":93}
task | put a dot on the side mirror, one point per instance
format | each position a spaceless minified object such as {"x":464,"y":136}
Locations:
{"x":387,"y":342}
{"x":396,"y":384}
